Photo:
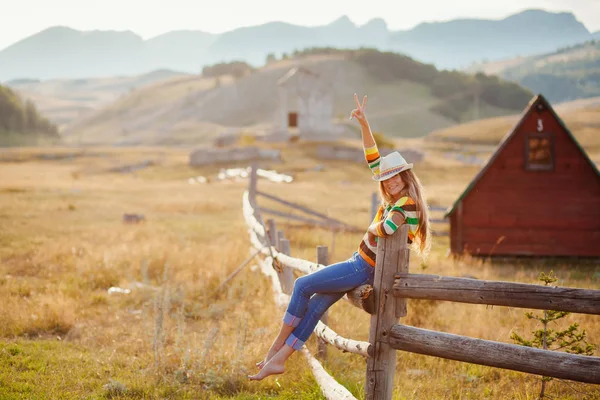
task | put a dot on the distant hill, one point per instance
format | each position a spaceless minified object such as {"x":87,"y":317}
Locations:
{"x":582,"y":117}
{"x":62,"y":52}
{"x":63,"y":100}
{"x":407,"y":99}
{"x":20,"y":121}
{"x":566,"y":74}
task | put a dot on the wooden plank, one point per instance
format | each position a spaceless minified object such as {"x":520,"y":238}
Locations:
{"x":495,"y":354}
{"x":287,"y":275}
{"x":329,"y":387}
{"x":300,"y":218}
{"x":299,"y":207}
{"x":252,"y":180}
{"x":322,"y":259}
{"x":381,"y":364}
{"x":272,"y":231}
{"x":524,"y":295}
{"x":402,"y":268}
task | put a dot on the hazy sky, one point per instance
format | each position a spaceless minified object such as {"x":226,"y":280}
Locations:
{"x":152,"y":17}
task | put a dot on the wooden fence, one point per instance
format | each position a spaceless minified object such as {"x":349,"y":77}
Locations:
{"x":386,"y":302}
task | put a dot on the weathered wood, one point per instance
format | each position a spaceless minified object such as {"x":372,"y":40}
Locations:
{"x":352,"y":346}
{"x":272,"y":231}
{"x":326,"y":224}
{"x":382,"y":363}
{"x":524,"y":295}
{"x":252,"y":180}
{"x":303,"y":208}
{"x":402,"y":268}
{"x":495,"y":354}
{"x":322,"y":259}
{"x":362,"y":297}
{"x":287,"y":276}
{"x":329,"y":387}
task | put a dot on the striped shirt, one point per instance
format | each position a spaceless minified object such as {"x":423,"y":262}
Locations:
{"x":384,"y":216}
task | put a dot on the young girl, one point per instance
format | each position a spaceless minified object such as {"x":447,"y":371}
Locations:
{"x":402,"y":203}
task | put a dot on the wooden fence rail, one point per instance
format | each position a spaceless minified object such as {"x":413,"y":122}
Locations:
{"x":495,"y":354}
{"x":464,"y":290}
{"x":386,"y":302}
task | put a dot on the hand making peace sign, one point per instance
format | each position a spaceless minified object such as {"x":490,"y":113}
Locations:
{"x":359,"y":111}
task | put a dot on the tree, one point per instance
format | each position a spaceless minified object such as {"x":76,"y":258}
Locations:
{"x":569,"y":340}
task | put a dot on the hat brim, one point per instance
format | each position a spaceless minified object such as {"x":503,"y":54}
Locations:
{"x":384,"y":177}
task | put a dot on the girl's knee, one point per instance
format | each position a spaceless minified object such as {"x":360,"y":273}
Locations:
{"x":299,"y":284}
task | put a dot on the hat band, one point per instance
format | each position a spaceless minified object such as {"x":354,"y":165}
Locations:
{"x":392,"y":171}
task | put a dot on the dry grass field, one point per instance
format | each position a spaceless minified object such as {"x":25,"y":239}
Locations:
{"x":63,"y":245}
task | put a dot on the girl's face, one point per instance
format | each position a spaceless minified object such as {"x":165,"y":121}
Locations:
{"x":394,"y":185}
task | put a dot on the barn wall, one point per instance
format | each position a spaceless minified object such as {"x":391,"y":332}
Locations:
{"x":535,"y":212}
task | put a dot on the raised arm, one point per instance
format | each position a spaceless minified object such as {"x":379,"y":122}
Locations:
{"x":369,"y":146}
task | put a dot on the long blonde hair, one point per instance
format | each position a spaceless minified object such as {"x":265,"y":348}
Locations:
{"x":414,"y":189}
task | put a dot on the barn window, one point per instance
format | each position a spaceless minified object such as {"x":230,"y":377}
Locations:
{"x":539,"y":152}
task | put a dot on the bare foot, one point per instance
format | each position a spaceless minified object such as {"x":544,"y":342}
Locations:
{"x":272,"y":367}
{"x":272,"y":351}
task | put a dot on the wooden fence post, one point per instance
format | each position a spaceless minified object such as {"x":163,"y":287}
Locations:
{"x":272,"y":227}
{"x":374,"y":205}
{"x":381,"y":362}
{"x":323,"y":259}
{"x":252,"y":180}
{"x":286,"y":277}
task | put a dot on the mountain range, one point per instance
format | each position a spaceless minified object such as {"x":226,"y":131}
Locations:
{"x":62,"y":52}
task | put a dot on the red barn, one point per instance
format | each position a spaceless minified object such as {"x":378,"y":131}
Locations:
{"x":538,"y":195}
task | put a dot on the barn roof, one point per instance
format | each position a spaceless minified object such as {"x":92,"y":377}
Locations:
{"x":539,"y":99}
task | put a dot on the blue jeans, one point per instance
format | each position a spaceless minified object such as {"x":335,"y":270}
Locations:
{"x":314,"y":293}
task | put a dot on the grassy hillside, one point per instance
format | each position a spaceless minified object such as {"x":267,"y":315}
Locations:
{"x":20,"y":121}
{"x":566,"y":74}
{"x":64,"y":335}
{"x":64,"y":100}
{"x":582,"y":117}
{"x":407,"y":99}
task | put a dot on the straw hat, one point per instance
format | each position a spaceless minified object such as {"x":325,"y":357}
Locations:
{"x":391,"y":165}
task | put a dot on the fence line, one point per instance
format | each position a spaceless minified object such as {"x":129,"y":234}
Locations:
{"x":329,"y":386}
{"x":524,"y":295}
{"x":359,"y":297}
{"x":386,"y":302}
{"x":496,"y":354}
